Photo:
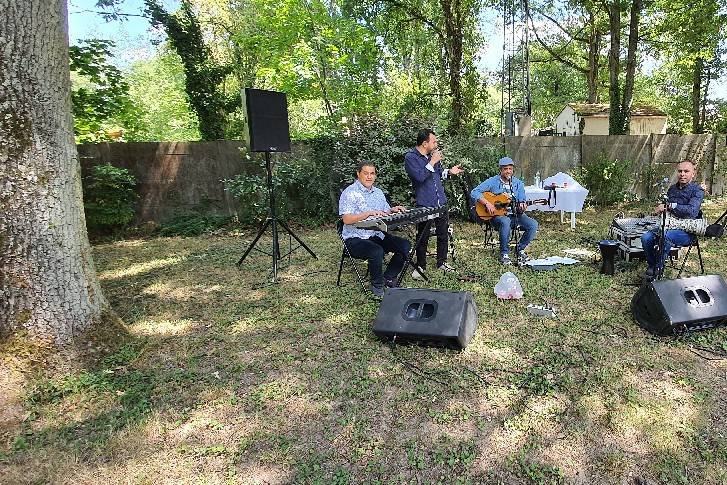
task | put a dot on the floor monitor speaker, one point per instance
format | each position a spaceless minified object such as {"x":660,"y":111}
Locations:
{"x":267,"y":118}
{"x":446,"y":318}
{"x":673,"y":307}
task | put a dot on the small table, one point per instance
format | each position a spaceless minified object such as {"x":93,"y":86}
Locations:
{"x":568,"y":199}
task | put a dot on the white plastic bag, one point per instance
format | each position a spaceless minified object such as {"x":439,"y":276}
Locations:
{"x":508,"y":288}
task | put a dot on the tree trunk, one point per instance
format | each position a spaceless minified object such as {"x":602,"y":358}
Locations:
{"x":696,"y":95}
{"x":628,"y":92}
{"x":454,"y":38}
{"x":48,"y":284}
{"x":615,"y":118}
{"x":594,"y":50}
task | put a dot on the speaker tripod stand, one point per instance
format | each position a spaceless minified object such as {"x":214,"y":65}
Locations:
{"x":272,"y":221}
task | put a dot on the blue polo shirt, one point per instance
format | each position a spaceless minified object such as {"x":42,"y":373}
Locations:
{"x":426,"y":183}
{"x":685,"y":201}
{"x":495,"y":185}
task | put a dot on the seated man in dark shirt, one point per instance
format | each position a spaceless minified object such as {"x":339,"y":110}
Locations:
{"x":684,"y":201}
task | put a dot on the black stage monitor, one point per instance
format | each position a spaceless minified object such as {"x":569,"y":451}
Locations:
{"x":447,"y":318}
{"x":674,"y":307}
{"x":267,"y":119}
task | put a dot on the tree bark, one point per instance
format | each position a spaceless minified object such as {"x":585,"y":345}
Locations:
{"x":696,"y":95}
{"x":48,"y":284}
{"x":630,"y":78}
{"x":594,"y":51}
{"x":615,"y":118}
{"x":453,"y":28}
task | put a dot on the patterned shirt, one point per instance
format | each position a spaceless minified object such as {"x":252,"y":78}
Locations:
{"x":356,"y":199}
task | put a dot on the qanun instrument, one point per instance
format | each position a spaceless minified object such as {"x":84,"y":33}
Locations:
{"x":649,"y":223}
{"x":501,"y":202}
{"x":392,"y":221}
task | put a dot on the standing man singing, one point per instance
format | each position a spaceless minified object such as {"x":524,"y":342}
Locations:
{"x":684,"y":200}
{"x":362,"y":200}
{"x":506,"y":183}
{"x":424,"y":167}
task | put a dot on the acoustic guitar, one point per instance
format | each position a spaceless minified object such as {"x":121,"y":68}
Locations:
{"x":501,"y":203}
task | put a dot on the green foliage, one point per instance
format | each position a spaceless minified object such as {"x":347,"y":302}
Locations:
{"x":307,"y":174}
{"x":203,"y":75}
{"x":328,"y":164}
{"x":192,"y":224}
{"x":156,"y":87}
{"x":100,"y":95}
{"x":109,"y":197}
{"x":607,"y":180}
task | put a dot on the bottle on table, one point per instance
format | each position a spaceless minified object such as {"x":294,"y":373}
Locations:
{"x":537,"y":179}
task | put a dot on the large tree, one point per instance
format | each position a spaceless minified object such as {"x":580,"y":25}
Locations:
{"x":48,"y":284}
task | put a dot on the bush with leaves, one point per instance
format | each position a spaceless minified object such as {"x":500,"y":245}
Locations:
{"x":326,"y":164}
{"x":100,"y":95}
{"x":300,"y":184}
{"x":109,"y":196}
{"x":607,"y":180}
{"x":192,"y":224}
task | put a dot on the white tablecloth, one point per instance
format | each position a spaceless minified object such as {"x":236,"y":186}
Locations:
{"x":567,"y":199}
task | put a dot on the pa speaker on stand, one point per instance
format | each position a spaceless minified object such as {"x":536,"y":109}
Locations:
{"x":267,"y":119}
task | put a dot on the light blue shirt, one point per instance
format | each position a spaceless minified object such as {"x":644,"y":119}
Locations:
{"x":356,"y":199}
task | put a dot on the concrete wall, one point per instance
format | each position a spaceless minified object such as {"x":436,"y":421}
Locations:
{"x":174,"y":177}
{"x":645,"y":125}
{"x":179,"y":177}
{"x":595,"y":125}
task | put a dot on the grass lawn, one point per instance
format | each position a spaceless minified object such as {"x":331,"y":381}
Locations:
{"x":223,"y":380}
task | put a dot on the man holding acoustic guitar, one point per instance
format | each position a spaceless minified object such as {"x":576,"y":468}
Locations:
{"x":501,"y":198}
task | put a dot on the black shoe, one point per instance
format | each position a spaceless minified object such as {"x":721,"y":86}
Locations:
{"x":391,"y":283}
{"x":377,"y":292}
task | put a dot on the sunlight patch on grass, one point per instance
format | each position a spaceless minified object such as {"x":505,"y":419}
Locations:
{"x":140,"y":268}
{"x":654,"y":411}
{"x":163,"y":327}
{"x":170,"y":292}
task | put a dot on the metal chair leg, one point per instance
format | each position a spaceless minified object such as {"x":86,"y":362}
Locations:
{"x":699,"y":253}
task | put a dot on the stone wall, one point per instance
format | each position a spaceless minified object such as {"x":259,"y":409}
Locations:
{"x":179,"y":177}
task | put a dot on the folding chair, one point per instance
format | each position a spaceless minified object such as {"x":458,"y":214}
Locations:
{"x":695,"y":242}
{"x":345,"y":252}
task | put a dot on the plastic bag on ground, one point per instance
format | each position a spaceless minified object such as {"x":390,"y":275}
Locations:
{"x":508,"y":288}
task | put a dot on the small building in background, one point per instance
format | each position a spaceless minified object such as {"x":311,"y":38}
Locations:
{"x":592,"y":119}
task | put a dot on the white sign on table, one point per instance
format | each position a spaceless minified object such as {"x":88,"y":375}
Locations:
{"x":569,"y":196}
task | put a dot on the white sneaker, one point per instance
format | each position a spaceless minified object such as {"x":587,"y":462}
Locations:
{"x":417,"y":275}
{"x":446,"y":268}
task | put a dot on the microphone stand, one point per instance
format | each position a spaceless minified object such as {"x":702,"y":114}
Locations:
{"x":661,"y":241}
{"x":515,"y":234}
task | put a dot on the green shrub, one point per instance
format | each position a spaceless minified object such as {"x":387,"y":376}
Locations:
{"x":326,"y":164}
{"x":192,"y":224}
{"x":109,"y":197}
{"x":300,"y":184}
{"x":606,"y":180}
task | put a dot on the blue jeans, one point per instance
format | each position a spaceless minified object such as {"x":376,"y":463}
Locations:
{"x":674,"y":237}
{"x":373,"y":250}
{"x":505,"y":224}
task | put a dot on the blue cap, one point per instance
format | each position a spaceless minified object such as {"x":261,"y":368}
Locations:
{"x":506,"y":161}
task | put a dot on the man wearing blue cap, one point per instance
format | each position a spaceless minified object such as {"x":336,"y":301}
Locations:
{"x":505,"y":183}
{"x":424,"y":167}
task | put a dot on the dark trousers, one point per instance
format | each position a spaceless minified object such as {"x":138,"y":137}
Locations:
{"x":441,"y":224}
{"x":373,"y":250}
